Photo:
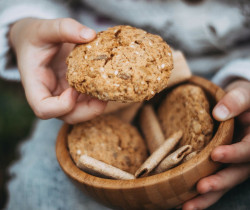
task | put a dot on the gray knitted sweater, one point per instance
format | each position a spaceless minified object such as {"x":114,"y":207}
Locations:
{"x":214,"y":35}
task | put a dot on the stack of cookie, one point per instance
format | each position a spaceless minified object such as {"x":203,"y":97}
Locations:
{"x":126,"y":64}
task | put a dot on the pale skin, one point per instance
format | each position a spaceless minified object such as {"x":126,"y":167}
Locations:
{"x":41,"y":47}
{"x":212,"y":188}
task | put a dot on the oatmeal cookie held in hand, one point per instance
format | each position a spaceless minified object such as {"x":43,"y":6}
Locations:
{"x":123,"y":64}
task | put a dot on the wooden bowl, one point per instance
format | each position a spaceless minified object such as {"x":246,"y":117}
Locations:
{"x":161,"y":191}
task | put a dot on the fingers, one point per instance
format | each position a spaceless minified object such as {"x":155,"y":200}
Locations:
{"x":236,"y":101}
{"x":246,"y":130}
{"x":244,"y":118}
{"x":224,"y":179}
{"x":63,"y":30}
{"x":203,"y":201}
{"x":234,"y":153}
{"x":214,"y":187}
{"x":45,"y":105}
{"x":66,"y":106}
{"x":85,"y":110}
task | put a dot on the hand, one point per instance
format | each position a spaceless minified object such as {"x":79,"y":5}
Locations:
{"x":235,"y":103}
{"x":41,"y":48}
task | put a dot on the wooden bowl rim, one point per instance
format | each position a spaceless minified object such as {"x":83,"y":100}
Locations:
{"x":69,"y":167}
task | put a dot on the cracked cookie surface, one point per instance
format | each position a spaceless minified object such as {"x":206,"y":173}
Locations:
{"x":123,"y":64}
{"x":108,"y":139}
{"x":187,"y":108}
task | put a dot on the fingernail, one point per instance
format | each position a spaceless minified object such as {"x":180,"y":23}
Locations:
{"x":221,"y":112}
{"x":87,"y":33}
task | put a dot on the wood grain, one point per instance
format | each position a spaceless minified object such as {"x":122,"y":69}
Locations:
{"x":161,"y":191}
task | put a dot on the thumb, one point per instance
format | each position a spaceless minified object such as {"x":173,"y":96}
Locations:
{"x":64,"y":30}
{"x":236,"y":101}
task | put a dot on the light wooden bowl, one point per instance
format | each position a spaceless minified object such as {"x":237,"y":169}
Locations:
{"x":161,"y":191}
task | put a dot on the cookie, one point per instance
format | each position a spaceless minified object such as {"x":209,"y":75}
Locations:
{"x":123,"y":64}
{"x":108,"y":139}
{"x":187,"y":108}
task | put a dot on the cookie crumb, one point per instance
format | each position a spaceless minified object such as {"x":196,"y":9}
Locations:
{"x":104,"y":76}
{"x":78,"y":152}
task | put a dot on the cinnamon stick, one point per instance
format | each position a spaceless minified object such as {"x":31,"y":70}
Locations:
{"x":173,"y":159}
{"x":151,"y":128}
{"x":97,"y":167}
{"x":158,"y":155}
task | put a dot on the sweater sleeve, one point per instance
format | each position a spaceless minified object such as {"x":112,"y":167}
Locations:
{"x":13,"y":10}
{"x":236,"y":69}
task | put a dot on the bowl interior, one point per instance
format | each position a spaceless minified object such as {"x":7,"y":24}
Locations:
{"x":176,"y":181}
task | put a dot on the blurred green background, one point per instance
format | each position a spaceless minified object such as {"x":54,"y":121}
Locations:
{"x":16,"y":119}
